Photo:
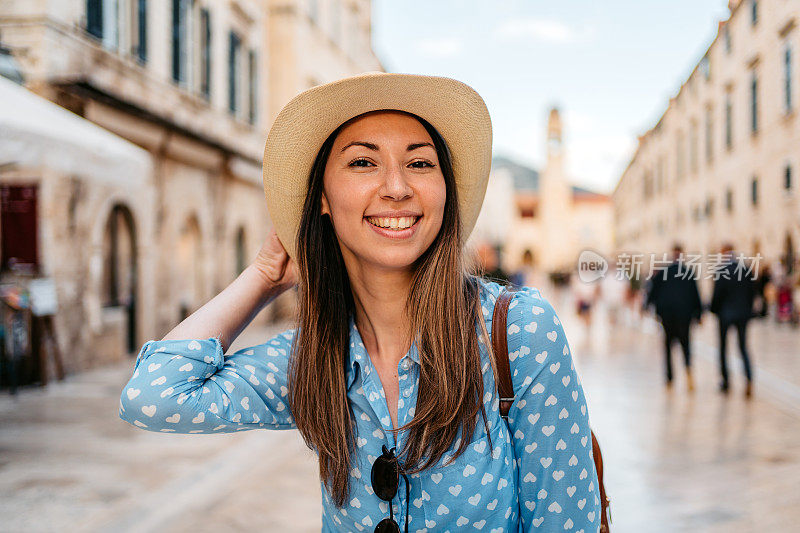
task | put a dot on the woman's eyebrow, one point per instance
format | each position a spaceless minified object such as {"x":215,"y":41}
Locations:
{"x":418,"y":145}
{"x":361,"y":143}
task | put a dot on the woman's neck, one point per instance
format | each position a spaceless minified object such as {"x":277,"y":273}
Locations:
{"x":380,"y":301}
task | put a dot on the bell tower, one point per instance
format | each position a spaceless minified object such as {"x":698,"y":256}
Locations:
{"x":555,"y":197}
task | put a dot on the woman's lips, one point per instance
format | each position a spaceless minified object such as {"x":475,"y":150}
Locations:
{"x":395,"y":233}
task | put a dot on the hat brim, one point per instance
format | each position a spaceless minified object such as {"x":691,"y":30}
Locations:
{"x":457,"y":112}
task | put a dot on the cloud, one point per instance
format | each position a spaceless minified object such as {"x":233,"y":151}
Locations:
{"x":544,"y":30}
{"x":440,"y":47}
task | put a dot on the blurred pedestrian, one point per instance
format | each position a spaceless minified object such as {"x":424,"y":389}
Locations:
{"x":674,"y":294}
{"x":586,"y":294}
{"x":489,"y":264}
{"x":762,"y":284}
{"x":613,"y":289}
{"x":525,"y":273}
{"x":732,"y":302}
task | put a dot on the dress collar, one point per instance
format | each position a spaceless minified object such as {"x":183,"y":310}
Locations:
{"x":358,"y":356}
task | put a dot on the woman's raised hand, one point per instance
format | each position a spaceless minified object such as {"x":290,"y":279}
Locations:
{"x":275,"y":264}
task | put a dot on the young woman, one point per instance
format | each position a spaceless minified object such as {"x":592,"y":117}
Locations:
{"x":374,"y":183}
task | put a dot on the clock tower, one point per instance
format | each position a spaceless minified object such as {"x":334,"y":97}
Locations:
{"x":555,"y":198}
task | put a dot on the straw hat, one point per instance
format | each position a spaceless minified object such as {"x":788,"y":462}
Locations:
{"x":457,"y":112}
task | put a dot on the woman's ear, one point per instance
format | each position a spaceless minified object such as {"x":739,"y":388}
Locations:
{"x":325,"y":209}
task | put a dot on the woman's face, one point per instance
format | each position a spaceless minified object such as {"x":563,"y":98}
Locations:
{"x":384,"y":190}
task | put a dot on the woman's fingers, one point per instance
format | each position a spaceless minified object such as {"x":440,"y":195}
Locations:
{"x":273,"y":260}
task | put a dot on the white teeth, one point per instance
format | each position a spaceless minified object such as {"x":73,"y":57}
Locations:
{"x":393,"y":223}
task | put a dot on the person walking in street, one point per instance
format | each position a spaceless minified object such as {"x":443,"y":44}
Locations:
{"x":374,"y":183}
{"x":732,"y":302}
{"x":674,"y":294}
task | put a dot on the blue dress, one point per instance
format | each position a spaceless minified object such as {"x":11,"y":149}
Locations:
{"x":540,"y":474}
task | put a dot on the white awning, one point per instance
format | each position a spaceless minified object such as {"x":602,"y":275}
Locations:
{"x":35,"y":132}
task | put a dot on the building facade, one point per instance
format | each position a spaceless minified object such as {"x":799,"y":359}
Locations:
{"x":550,"y":219}
{"x":187,"y":81}
{"x":721,"y":164}
{"x":315,"y":42}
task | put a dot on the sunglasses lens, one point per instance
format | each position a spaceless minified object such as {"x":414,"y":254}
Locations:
{"x":385,"y":476}
{"x":387,"y":525}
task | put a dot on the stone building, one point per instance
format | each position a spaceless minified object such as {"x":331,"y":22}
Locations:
{"x":721,"y":163}
{"x":551,"y":219}
{"x":189,"y":82}
{"x":316,"y":41}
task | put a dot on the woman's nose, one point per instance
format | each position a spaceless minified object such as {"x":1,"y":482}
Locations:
{"x":395,"y":184}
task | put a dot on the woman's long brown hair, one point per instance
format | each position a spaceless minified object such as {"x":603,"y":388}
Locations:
{"x":443,"y":306}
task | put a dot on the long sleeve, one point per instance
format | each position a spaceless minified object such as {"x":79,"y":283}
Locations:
{"x":558,"y":487}
{"x":190,"y":386}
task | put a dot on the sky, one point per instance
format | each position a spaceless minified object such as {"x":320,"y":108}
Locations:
{"x":609,"y":66}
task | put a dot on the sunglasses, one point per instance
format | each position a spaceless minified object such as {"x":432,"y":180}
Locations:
{"x":385,"y":480}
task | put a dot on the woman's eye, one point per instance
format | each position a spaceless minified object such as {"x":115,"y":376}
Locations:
{"x":421,"y":164}
{"x":360,"y":163}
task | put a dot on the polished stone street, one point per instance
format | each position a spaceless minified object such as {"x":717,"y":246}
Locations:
{"x":675,"y":461}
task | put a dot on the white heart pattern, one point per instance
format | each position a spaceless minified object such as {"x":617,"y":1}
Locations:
{"x":544,"y":438}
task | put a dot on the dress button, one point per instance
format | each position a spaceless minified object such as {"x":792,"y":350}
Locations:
{"x":407,"y":393}
{"x":405,"y":364}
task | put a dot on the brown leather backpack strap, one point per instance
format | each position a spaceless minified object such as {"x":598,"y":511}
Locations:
{"x":604,"y":500}
{"x":505,"y":386}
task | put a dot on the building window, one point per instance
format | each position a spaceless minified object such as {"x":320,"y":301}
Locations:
{"x":709,"y":135}
{"x":754,"y":103}
{"x":709,"y":207}
{"x":753,"y":12}
{"x":729,"y":200}
{"x":728,"y":122}
{"x":181,"y":30}
{"x":754,"y":192}
{"x":94,"y":18}
{"x":102,"y":21}
{"x":234,"y":71}
{"x":787,"y":78}
{"x":139,"y":30}
{"x":205,"y":53}
{"x":787,"y":178}
{"x":252,"y":88}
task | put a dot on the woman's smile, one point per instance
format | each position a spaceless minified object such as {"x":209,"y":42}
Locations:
{"x":394,"y":227}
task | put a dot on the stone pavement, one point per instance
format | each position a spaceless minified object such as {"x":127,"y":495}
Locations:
{"x":675,"y":461}
{"x":67,"y":462}
{"x":680,"y":461}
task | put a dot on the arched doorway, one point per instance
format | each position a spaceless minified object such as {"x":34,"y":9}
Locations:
{"x":120,"y":279}
{"x":190,"y":267}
